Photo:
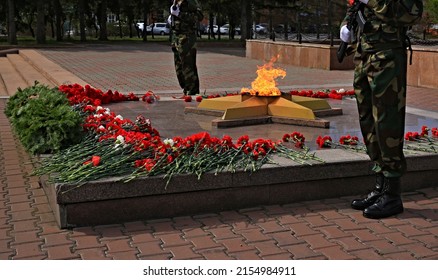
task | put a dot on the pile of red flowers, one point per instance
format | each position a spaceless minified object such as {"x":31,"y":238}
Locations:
{"x":412,"y":136}
{"x":115,"y":146}
{"x":422,"y":141}
{"x":333,"y":94}
{"x":78,"y":94}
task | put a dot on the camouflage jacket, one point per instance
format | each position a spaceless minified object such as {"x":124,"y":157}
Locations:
{"x":189,"y":17}
{"x":386,"y":25}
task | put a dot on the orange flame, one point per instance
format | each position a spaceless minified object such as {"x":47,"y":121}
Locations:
{"x":265,"y":84}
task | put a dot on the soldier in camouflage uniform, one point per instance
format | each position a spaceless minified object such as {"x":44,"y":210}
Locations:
{"x":380,"y":57}
{"x":184,"y":19}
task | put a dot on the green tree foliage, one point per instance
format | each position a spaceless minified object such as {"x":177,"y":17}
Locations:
{"x":431,"y":6}
{"x":88,"y":17}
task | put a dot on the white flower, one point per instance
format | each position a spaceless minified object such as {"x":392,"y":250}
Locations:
{"x":169,"y":142}
{"x":341,"y":90}
{"x":107,"y":111}
{"x":120,"y":141}
{"x":119,"y":117}
{"x":99,"y":108}
{"x":97,"y":115}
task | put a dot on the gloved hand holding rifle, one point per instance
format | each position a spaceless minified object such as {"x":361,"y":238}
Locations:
{"x":355,"y":23}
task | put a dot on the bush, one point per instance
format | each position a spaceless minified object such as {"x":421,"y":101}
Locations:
{"x":43,"y":119}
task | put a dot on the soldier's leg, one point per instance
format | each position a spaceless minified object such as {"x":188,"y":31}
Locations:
{"x":364,"y":100}
{"x":178,"y":66}
{"x":190,"y":69}
{"x":389,"y":107}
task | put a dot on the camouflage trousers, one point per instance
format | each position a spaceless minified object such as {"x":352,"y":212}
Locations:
{"x":184,"y":53}
{"x":380,"y":88}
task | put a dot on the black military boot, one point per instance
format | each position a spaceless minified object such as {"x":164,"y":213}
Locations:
{"x":361,"y":204}
{"x":389,"y":203}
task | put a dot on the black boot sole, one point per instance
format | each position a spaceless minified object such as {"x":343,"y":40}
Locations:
{"x":383,"y":214}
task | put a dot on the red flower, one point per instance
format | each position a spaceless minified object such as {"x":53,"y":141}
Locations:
{"x":149,"y":97}
{"x":412,"y":136}
{"x":298,"y":139}
{"x":148,"y":163}
{"x":169,"y":159}
{"x":349,"y":140}
{"x":227,"y":142}
{"x":324,"y":142}
{"x":286,"y":137}
{"x":243,"y":140}
{"x":199,"y":98}
{"x":188,"y":98}
{"x":95,"y":160}
{"x":424,"y":130}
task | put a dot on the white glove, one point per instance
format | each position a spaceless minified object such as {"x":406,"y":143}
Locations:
{"x":169,"y":19}
{"x":174,"y":10}
{"x":364,"y":1}
{"x":345,"y":34}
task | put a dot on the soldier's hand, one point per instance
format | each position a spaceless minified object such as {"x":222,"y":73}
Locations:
{"x":345,"y":34}
{"x":364,"y":1}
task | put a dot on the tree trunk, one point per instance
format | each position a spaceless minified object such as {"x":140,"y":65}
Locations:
{"x":58,"y":20}
{"x":41,"y":27}
{"x":12,"y":29}
{"x":145,"y":19}
{"x":81,"y":11}
{"x":103,"y":34}
{"x":245,"y":20}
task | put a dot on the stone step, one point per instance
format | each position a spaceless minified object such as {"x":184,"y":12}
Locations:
{"x":29,"y":73}
{"x":21,"y":68}
{"x":50,"y":69}
{"x":11,"y":79}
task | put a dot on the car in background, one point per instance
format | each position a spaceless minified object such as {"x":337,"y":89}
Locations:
{"x":225,"y":29}
{"x":260,"y":29}
{"x":433,"y":29}
{"x":215,"y":27}
{"x":158,"y":28}
{"x":265,"y":26}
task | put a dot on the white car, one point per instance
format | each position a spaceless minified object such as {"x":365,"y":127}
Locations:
{"x":225,"y":29}
{"x":158,"y":28}
{"x":260,"y":29}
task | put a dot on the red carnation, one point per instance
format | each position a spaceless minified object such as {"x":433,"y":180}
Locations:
{"x":324,"y":142}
